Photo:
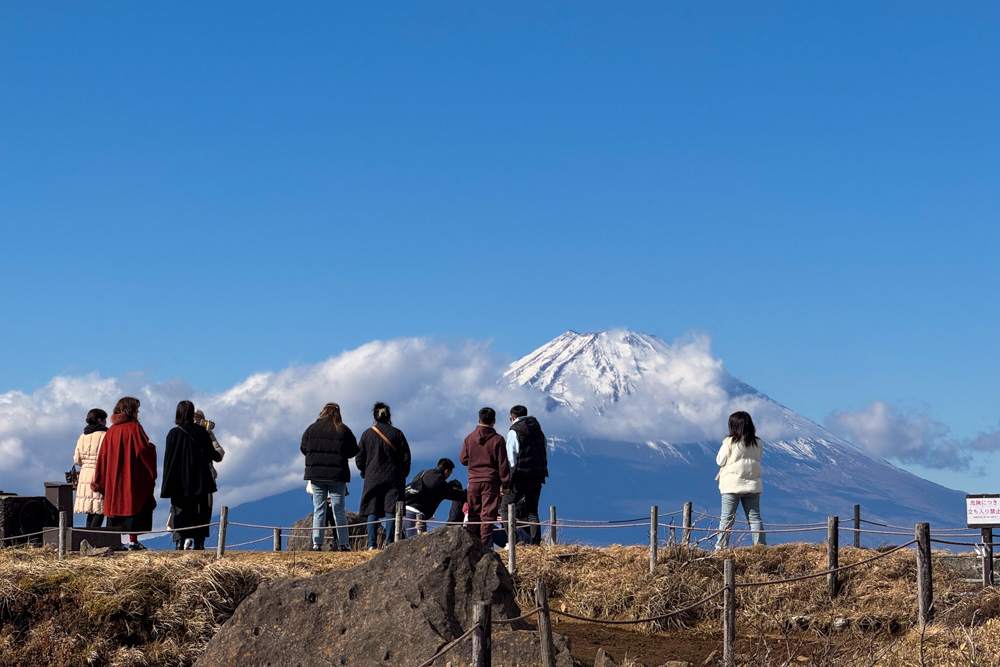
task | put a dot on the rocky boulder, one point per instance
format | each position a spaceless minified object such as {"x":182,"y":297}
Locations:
{"x":400,"y":608}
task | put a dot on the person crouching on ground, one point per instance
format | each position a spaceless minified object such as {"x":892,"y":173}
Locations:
{"x":484,"y":451}
{"x":427,"y":491}
{"x":187,"y":478}
{"x":384,"y":462}
{"x":328,"y":445}
{"x":88,"y":446}
{"x":739,"y":478}
{"x":125,"y":473}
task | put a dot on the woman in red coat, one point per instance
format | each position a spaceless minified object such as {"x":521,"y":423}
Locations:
{"x":126,"y":473}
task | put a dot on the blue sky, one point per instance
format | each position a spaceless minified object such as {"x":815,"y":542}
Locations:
{"x":204,"y":192}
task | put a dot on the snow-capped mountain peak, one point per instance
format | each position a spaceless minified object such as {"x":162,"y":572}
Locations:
{"x":599,"y":369}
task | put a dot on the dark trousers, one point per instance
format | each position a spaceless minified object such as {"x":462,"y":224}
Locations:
{"x":484,"y":501}
{"x":524,"y":494}
{"x":191,"y":511}
{"x":95,"y":520}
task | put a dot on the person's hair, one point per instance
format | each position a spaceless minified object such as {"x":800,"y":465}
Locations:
{"x":185,"y":413}
{"x":741,"y":429}
{"x":518,"y":411}
{"x":199,"y":414}
{"x":128,"y":407}
{"x":95,"y":416}
{"x":381,"y":413}
{"x":331,"y":411}
{"x":487,"y":416}
{"x":446,"y":464}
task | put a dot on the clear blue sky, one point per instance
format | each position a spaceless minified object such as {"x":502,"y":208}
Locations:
{"x":815,"y":185}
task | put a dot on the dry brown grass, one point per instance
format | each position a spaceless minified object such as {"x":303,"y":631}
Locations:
{"x":149,"y":608}
{"x":161,"y":608}
{"x":872,"y":621}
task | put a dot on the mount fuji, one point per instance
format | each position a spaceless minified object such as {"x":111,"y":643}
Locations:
{"x":638,"y":423}
{"x":633,"y":421}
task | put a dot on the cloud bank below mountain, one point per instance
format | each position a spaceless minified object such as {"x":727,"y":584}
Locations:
{"x":435,"y":390}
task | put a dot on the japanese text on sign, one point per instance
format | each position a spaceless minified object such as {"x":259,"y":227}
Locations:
{"x":983,"y":510}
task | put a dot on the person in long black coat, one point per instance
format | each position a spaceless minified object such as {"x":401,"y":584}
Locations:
{"x":187,"y":477}
{"x":384,"y":462}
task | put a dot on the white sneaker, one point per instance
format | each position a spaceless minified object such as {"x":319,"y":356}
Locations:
{"x":189,"y":544}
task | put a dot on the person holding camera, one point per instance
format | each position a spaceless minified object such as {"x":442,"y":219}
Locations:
{"x":199,"y":418}
{"x":88,"y":446}
{"x":187,"y":478}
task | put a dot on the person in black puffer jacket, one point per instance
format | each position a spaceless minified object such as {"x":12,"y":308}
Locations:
{"x":328,"y":445}
{"x":529,"y":464}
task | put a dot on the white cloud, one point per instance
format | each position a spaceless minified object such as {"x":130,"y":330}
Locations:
{"x":887,"y":432}
{"x":435,"y":391}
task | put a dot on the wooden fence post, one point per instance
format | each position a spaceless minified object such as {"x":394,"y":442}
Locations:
{"x":277,"y":539}
{"x":729,"y":614}
{"x":654,"y":536}
{"x":482,"y":638}
{"x":832,"y":554}
{"x":62,"y":535}
{"x":511,"y":538}
{"x":857,"y":526}
{"x":686,"y":532}
{"x":223,"y":525}
{"x":400,"y":513}
{"x":548,"y":653}
{"x":553,"y":533}
{"x":925,"y":590}
{"x":987,"y":557}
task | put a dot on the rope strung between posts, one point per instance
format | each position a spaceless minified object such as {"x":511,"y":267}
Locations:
{"x":243,"y":544}
{"x":651,"y":619}
{"x":742,"y":530}
{"x":508,"y":621}
{"x":958,"y":544}
{"x":21,"y":537}
{"x":448,"y":647}
{"x":754,"y":584}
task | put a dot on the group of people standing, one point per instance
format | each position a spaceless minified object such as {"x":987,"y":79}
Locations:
{"x":118,"y":473}
{"x":502,"y":471}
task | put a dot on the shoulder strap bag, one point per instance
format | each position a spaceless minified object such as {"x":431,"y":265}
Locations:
{"x":391,"y":446}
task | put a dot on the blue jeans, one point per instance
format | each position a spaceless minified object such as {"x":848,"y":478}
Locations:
{"x":751,"y":507}
{"x":336,"y":491}
{"x":410,"y":524}
{"x":390,"y":530}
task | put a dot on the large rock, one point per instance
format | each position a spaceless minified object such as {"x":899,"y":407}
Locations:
{"x":400,"y":608}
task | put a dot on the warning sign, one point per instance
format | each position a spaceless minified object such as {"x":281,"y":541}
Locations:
{"x":983,"y":510}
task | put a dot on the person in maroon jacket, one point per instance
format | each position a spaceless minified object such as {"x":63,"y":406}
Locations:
{"x":485,"y":453}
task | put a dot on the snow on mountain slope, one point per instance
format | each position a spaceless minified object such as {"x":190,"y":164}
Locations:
{"x":629,"y":405}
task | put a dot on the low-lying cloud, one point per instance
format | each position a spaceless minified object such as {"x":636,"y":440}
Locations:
{"x":887,"y":432}
{"x":435,"y":390}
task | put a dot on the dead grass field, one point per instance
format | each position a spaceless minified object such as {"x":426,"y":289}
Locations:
{"x":161,"y":608}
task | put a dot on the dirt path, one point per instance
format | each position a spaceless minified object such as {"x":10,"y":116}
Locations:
{"x":619,"y":643}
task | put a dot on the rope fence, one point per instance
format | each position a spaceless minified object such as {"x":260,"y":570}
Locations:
{"x":481,"y":628}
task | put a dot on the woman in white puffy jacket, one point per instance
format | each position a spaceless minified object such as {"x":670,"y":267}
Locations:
{"x":88,"y":445}
{"x":739,"y":478}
